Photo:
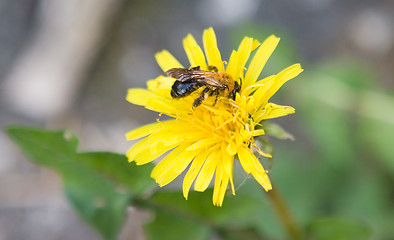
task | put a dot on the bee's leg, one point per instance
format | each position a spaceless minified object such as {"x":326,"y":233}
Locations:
{"x":233,"y":93}
{"x":216,"y":93}
{"x":212,"y":68}
{"x":201,"y":98}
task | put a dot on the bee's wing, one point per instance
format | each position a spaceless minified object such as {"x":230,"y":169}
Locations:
{"x":176,"y":72}
{"x":184,"y":75}
{"x":211,"y":79}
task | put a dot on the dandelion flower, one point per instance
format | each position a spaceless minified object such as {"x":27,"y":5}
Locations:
{"x":210,"y":137}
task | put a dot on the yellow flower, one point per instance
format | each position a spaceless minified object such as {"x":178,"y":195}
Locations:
{"x":210,"y":136}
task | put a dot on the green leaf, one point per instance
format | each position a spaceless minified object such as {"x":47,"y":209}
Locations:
{"x":167,"y":226}
{"x":135,"y":178}
{"x":241,"y":234}
{"x":276,"y":130}
{"x":97,"y":201}
{"x":91,"y":180}
{"x":337,"y":229}
{"x":235,"y":209}
{"x":236,"y":218}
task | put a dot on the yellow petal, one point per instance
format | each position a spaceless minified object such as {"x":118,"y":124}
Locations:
{"x":175,"y":168}
{"x":207,"y":171}
{"x":194,"y":52}
{"x":282,"y":77}
{"x":231,"y":148}
{"x":250,"y":164}
{"x":161,"y":85}
{"x":261,"y":152}
{"x":244,"y":50}
{"x":193,"y":172}
{"x":258,"y":132}
{"x":239,"y":59}
{"x":143,"y":131}
{"x":140,"y":96}
{"x":172,"y":165}
{"x":211,"y":49}
{"x":263,"y":179}
{"x":148,"y":155}
{"x":150,"y":148}
{"x":166,"y":60}
{"x":255,"y":44}
{"x":154,"y":101}
{"x":273,"y":110}
{"x":221,"y":183}
{"x":168,"y":134}
{"x":262,"y":84}
{"x":260,"y":95}
{"x":260,"y":59}
{"x":232,"y":184}
{"x":202,"y":144}
{"x":228,"y":165}
{"x":232,"y":62}
{"x":244,"y":157}
{"x":162,"y":105}
{"x":137,"y":148}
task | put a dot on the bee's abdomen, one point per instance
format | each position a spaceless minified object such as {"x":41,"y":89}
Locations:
{"x":183,"y":89}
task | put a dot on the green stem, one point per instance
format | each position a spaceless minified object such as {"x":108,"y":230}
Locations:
{"x":284,"y":215}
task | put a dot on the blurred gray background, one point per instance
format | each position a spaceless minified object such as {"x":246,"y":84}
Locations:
{"x":68,"y":64}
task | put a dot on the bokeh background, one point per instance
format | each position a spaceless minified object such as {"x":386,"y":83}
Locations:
{"x":68,"y":64}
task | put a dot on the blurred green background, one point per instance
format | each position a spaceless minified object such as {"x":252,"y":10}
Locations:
{"x":68,"y":64}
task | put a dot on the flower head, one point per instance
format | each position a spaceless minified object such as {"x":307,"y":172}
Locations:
{"x":211,"y":136}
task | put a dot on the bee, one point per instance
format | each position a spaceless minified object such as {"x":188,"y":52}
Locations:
{"x":215,"y":83}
